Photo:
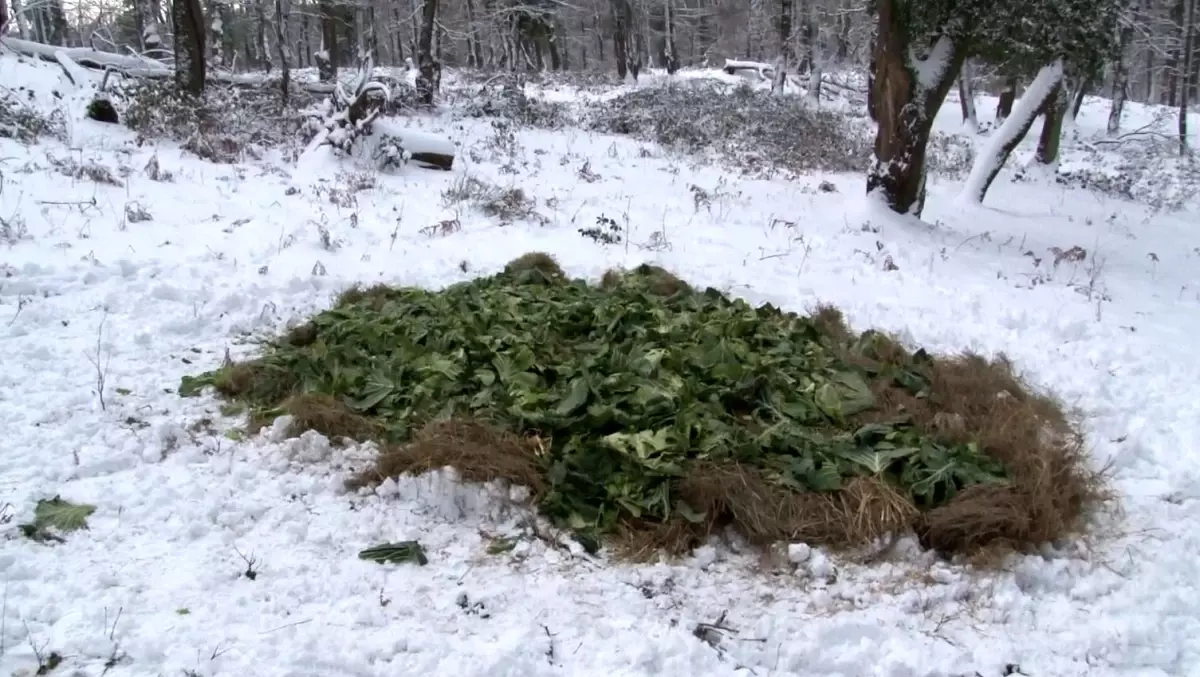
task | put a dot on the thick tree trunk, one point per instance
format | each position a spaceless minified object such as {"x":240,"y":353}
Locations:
{"x":188,"y":22}
{"x":1004,"y":140}
{"x":429,"y":77}
{"x":908,"y":95}
{"x":1054,"y":110}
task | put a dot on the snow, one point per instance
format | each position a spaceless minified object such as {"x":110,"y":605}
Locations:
{"x":157,"y":584}
{"x":930,"y":67}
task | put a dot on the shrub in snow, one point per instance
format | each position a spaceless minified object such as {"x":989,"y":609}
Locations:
{"x":758,"y":132}
{"x":1147,"y":171}
{"x":24,"y":123}
{"x":222,"y":126}
{"x":510,"y":102}
{"x":949,"y":156}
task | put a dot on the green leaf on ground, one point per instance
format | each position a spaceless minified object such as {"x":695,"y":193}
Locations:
{"x":403,"y":552}
{"x":56,"y":516}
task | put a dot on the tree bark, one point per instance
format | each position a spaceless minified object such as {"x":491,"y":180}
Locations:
{"x":784,"y":24}
{"x":1004,"y":140}
{"x":1120,"y":85}
{"x":327,"y":56}
{"x":1171,"y":70}
{"x":428,"y":79}
{"x":907,"y":97}
{"x":1189,"y":41}
{"x":1005,"y":105}
{"x":1054,"y":110}
{"x":620,"y":19}
{"x":260,"y":38}
{"x":670,"y":54}
{"x":188,"y":22}
{"x":281,"y":50}
{"x":966,"y":98}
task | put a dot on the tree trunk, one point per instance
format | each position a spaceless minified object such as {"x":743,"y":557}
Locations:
{"x":908,"y":94}
{"x":784,"y":24}
{"x":812,"y":53}
{"x":260,"y":17}
{"x":1005,"y":105}
{"x":1077,"y":95}
{"x":1171,"y":68}
{"x":281,"y":50}
{"x":1189,"y":40}
{"x":216,"y":36}
{"x":671,"y":56}
{"x":966,"y":98}
{"x":620,"y":18}
{"x":1055,"y":110}
{"x":58,"y":23}
{"x":1120,"y":85}
{"x":20,"y":19}
{"x":429,"y":77}
{"x":1004,"y":140}
{"x":188,"y":23}
{"x":327,"y":56}
{"x":474,"y":54}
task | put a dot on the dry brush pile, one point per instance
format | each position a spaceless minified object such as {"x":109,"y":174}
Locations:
{"x":651,"y":414}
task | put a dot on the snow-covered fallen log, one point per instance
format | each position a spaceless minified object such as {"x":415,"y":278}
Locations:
{"x":425,"y":149}
{"x":749,"y":69}
{"x":133,"y":66}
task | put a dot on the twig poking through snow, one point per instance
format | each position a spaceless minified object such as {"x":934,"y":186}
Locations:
{"x":95,"y":359}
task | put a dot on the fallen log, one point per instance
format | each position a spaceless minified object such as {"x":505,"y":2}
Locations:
{"x":134,"y":66}
{"x":426,"y":150}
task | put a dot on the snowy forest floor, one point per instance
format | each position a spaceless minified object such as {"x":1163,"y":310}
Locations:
{"x":116,"y":281}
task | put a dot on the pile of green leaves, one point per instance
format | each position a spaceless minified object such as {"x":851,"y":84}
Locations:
{"x":631,"y":387}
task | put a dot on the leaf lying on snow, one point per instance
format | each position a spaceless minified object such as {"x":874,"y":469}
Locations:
{"x":53,"y":516}
{"x":403,"y":552}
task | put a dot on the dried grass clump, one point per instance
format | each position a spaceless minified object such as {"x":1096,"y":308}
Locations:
{"x":478,"y":451}
{"x":657,"y":280}
{"x":1052,"y":486}
{"x":330,"y":417}
{"x":539,"y":262}
{"x":374,"y":296}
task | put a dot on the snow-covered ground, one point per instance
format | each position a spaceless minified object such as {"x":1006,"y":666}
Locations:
{"x":139,"y":284}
